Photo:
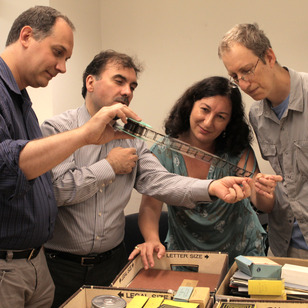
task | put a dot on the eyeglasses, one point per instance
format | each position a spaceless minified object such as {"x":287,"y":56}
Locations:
{"x":247,"y":76}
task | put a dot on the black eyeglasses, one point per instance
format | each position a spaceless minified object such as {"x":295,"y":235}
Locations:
{"x":247,"y":76}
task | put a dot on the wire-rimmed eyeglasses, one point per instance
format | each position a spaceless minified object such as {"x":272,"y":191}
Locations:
{"x":246,"y":76}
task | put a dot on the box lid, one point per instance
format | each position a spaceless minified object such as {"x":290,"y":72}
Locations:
{"x":259,"y":267}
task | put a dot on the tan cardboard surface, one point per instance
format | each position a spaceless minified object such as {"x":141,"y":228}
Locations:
{"x":204,"y":262}
{"x":210,"y":262}
{"x":164,"y":279}
{"x":83,"y":297}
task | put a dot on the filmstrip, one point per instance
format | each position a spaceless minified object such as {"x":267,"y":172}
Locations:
{"x":145,"y":132}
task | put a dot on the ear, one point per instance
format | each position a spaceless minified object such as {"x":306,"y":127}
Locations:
{"x":26,"y":33}
{"x":90,"y":80}
{"x":270,"y":57}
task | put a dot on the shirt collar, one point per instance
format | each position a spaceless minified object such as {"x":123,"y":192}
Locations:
{"x":8,"y":78}
{"x":295,"y":97}
{"x":83,"y":114}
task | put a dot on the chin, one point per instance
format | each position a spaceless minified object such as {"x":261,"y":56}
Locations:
{"x":258,"y":97}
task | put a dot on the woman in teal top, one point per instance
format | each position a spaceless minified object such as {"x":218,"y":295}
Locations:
{"x":210,"y":116}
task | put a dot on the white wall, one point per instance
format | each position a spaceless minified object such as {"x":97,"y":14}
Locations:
{"x":176,"y":40}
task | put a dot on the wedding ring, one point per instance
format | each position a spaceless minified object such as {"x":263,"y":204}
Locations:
{"x":137,"y":247}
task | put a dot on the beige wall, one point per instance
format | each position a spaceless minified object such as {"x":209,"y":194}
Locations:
{"x":176,"y":40}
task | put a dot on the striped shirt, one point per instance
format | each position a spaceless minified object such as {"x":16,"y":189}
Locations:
{"x":91,"y":197}
{"x":27,"y":208}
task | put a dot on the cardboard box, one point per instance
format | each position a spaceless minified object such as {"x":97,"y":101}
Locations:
{"x":222,"y":292}
{"x":83,"y":297}
{"x":260,"y":304}
{"x":204,"y":262}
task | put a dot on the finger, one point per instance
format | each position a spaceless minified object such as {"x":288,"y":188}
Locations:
{"x":231,"y":197}
{"x":239,"y":192}
{"x":122,"y":135}
{"x":161,"y":251}
{"x":129,"y":114}
{"x":266,"y":191}
{"x":278,"y":178}
{"x":133,"y":254}
{"x":150,"y":259}
{"x":247,"y":189}
{"x":144,"y":258}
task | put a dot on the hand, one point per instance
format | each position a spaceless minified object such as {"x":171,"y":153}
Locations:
{"x":265,"y":184}
{"x":98,"y":129}
{"x":146,"y":251}
{"x":122,"y":160}
{"x":231,"y":189}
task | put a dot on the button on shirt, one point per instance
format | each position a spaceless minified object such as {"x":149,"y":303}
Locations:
{"x":284,"y":143}
{"x":28,"y":208}
{"x":91,"y":197}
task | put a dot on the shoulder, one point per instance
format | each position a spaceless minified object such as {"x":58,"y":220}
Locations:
{"x":298,"y":78}
{"x":161,"y":151}
{"x":256,"y":110}
{"x":64,"y":121}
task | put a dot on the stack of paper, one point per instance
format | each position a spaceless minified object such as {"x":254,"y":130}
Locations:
{"x":296,"y":280}
{"x":257,"y":277}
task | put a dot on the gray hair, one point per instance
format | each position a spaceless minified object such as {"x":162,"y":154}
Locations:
{"x":40,"y":18}
{"x":248,"y":35}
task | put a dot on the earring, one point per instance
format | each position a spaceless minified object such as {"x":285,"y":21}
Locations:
{"x":224,"y":134}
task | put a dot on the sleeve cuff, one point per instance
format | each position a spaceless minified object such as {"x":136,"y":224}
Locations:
{"x":103,"y":172}
{"x":200,"y":191}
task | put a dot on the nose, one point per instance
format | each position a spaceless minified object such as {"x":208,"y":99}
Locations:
{"x":243,"y":84}
{"x":127,"y":91}
{"x":61,"y":66}
{"x":208,"y":120}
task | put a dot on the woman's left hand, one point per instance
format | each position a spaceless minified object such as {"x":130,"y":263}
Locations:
{"x":265,"y":184}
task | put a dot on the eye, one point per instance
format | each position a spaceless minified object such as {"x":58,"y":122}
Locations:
{"x":119,"y":81}
{"x":247,"y":71}
{"x":234,"y":78}
{"x":57,"y":52}
{"x":205,"y":109}
{"x":221,"y":117}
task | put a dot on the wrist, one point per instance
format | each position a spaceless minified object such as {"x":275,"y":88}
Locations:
{"x":211,"y":189}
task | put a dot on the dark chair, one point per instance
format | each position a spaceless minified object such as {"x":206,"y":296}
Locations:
{"x":133,"y":235}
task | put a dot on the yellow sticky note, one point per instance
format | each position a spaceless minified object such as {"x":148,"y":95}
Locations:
{"x":153,"y":302}
{"x":138,"y":301}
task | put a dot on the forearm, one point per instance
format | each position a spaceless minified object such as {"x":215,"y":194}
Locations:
{"x":262,"y":203}
{"x":41,"y":155}
{"x":74,"y":184}
{"x":149,"y":215}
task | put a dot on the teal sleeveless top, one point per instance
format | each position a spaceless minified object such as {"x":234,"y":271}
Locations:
{"x":218,"y":226}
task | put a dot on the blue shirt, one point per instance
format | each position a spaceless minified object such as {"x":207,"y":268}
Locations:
{"x":27,"y":208}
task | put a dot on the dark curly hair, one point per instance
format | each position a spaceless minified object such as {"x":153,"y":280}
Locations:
{"x":237,"y":135}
